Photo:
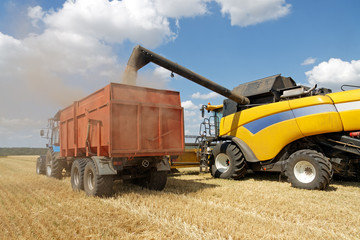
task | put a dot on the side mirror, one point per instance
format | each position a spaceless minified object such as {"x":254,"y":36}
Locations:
{"x":42,"y":133}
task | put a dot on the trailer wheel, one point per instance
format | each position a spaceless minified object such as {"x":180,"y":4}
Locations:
{"x":41,"y":165}
{"x":157,"y":180}
{"x":229,"y":162}
{"x":54,"y":165}
{"x":77,"y":174}
{"x":97,"y":185}
{"x":308,"y":169}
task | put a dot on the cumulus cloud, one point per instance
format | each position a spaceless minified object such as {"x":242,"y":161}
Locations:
{"x":113,"y":21}
{"x":334,"y":73}
{"x":36,"y":14}
{"x":181,"y":8}
{"x":189,"y":105}
{"x":69,"y":52}
{"x":250,"y":12}
{"x":308,"y":61}
{"x":210,"y":95}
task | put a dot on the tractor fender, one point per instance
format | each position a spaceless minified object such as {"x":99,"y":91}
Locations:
{"x":103,"y":166}
{"x":245,"y":149}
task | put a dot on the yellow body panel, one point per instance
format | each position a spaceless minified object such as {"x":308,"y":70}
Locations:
{"x":348,"y":105}
{"x":267,"y":129}
{"x":187,"y":159}
{"x":316,"y":115}
{"x":214,"y":107}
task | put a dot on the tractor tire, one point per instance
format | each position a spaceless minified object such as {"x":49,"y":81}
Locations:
{"x":41,"y":165}
{"x":97,"y":185}
{"x":308,"y":169}
{"x":77,"y":174}
{"x":229,"y":162}
{"x":54,"y":166}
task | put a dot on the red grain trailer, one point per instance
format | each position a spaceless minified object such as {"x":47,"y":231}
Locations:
{"x":118,"y":132}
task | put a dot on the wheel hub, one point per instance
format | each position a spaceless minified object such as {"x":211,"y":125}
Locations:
{"x":222,"y":162}
{"x":304,"y":171}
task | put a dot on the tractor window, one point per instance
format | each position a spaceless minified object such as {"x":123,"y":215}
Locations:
{"x":55,"y":137}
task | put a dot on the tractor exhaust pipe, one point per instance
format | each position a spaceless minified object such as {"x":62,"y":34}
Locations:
{"x":142,"y":56}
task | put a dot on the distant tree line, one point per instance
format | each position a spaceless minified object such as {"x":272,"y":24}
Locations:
{"x":22,"y":151}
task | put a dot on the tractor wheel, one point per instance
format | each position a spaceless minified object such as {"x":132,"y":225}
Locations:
{"x":41,"y":165}
{"x":77,"y":174}
{"x":229,"y":162}
{"x":54,"y":165}
{"x":96,"y":185}
{"x":308,"y":169}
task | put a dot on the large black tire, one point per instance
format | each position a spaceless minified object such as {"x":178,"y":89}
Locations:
{"x":96,"y":185}
{"x":229,"y":162}
{"x":54,"y":165}
{"x":308,"y":169}
{"x":157,"y":180}
{"x":41,"y":165}
{"x":77,"y":174}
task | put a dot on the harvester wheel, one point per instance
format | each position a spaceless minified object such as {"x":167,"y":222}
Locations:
{"x":229,"y":162}
{"x":77,"y":174}
{"x":54,"y":165}
{"x":97,"y":185}
{"x":41,"y":165}
{"x":308,"y":169}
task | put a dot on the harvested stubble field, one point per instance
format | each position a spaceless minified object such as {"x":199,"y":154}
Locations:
{"x":192,"y":206}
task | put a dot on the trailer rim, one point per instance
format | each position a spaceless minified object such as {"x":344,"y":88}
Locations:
{"x":90,"y":180}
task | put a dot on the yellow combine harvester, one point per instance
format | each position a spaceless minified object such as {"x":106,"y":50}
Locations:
{"x":273,"y":124}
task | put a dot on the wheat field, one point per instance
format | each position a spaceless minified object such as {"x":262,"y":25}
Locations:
{"x":192,"y":206}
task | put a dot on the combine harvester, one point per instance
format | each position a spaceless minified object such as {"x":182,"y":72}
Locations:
{"x":272,"y":124}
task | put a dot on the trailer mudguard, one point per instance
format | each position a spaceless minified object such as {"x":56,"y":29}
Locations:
{"x":104,"y":166}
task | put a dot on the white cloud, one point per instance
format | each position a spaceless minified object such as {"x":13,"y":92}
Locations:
{"x":113,"y":21}
{"x":210,"y":95}
{"x":181,"y":8}
{"x":189,"y":105}
{"x":334,"y":73}
{"x":250,"y":12}
{"x":19,"y":123}
{"x":36,"y":14}
{"x":308,"y":61}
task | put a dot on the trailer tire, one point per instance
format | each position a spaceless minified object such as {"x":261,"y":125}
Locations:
{"x":54,"y":165}
{"x":41,"y":165}
{"x":157,"y":180}
{"x":97,"y":185}
{"x":229,"y":162}
{"x":308,"y":169}
{"x":77,"y":174}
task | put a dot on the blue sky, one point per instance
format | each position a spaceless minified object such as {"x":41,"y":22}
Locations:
{"x":55,"y":52}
